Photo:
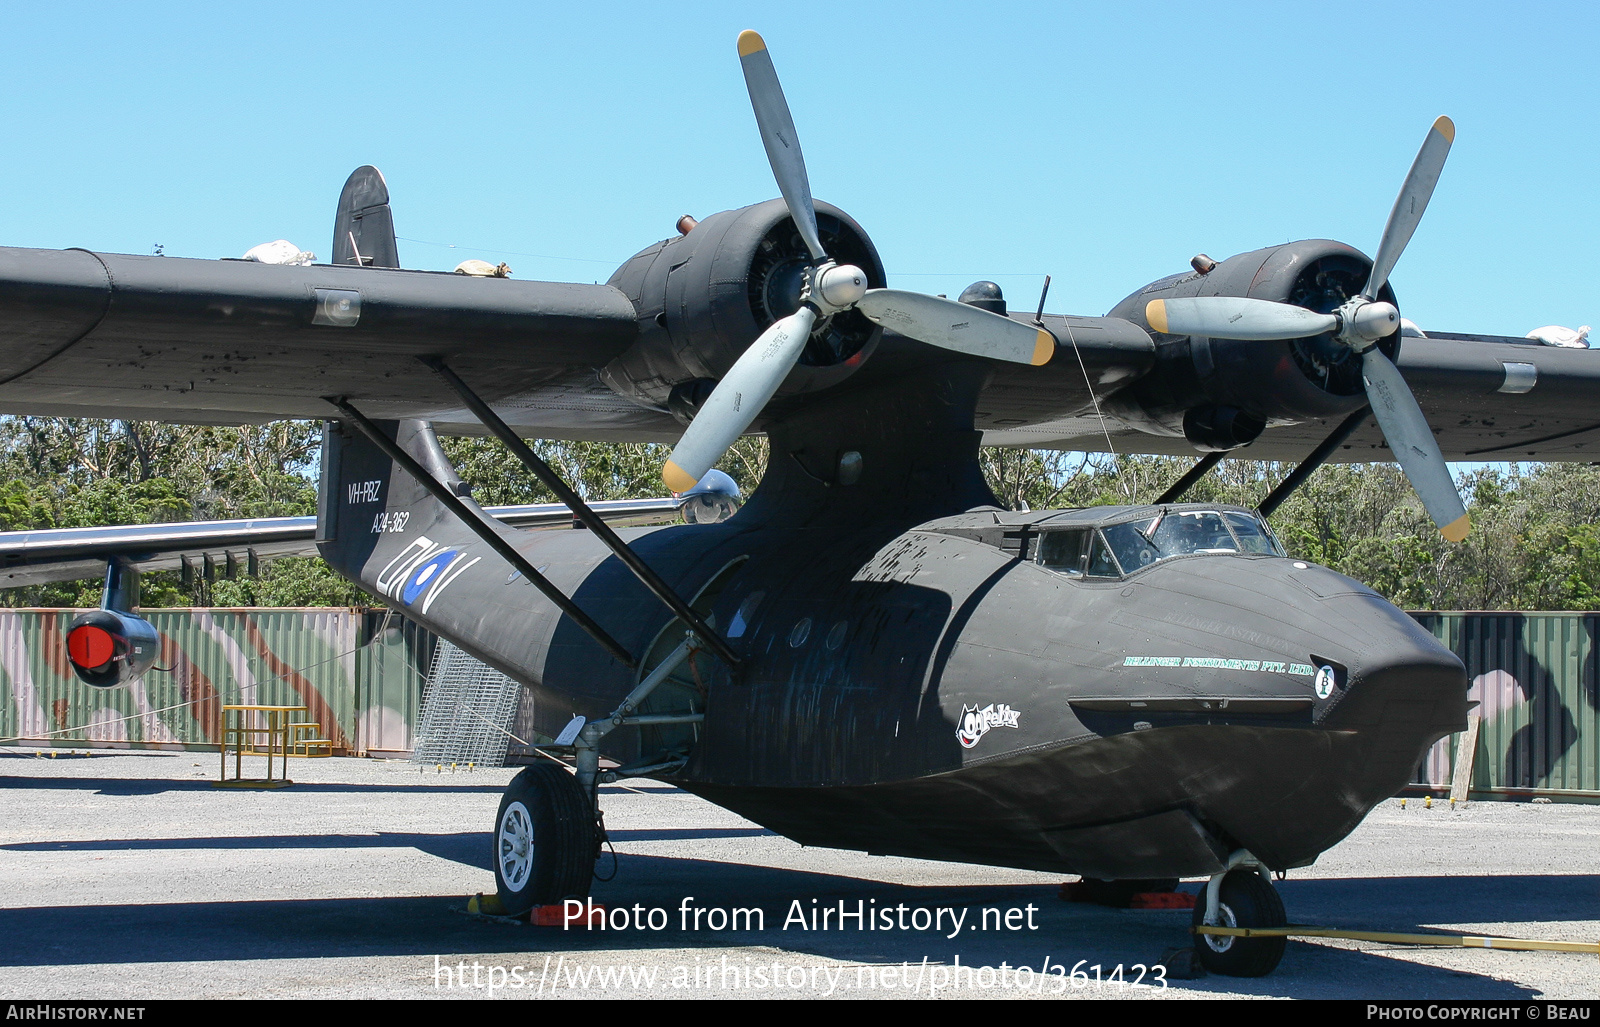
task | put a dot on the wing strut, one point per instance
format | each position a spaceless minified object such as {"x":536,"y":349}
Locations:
{"x":483,"y":526}
{"x":588,"y":517}
{"x":1201,"y":468}
{"x":1318,"y":456}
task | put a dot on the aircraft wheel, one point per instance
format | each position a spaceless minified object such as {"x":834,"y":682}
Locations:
{"x":544,"y":840}
{"x":1246,"y":901}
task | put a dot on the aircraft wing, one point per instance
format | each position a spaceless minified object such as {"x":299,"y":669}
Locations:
{"x":70,"y":554}
{"x":232,"y":341}
{"x":1486,"y":397}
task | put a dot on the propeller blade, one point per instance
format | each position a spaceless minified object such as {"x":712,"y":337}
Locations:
{"x":1236,"y":317}
{"x":958,"y":326}
{"x":737,"y":399}
{"x":779,"y":137}
{"x":1411,"y":202}
{"x":1413,"y":444}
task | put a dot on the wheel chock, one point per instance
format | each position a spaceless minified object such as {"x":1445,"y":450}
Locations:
{"x":556,"y":916}
{"x":487,"y":905}
{"x":1089,"y":892}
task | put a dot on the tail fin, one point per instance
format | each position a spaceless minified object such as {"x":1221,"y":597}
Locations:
{"x":363,"y":229}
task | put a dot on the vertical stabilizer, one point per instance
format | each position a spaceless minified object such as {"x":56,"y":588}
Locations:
{"x":363,"y":230}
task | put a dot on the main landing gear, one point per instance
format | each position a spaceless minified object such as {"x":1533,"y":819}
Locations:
{"x":545,"y":840}
{"x":1240,"y":896}
{"x":548,"y":831}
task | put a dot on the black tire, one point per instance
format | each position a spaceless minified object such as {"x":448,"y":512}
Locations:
{"x":1246,"y":901}
{"x":544,"y":842}
{"x":1118,"y":894}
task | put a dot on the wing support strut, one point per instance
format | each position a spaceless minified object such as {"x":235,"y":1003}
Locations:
{"x":581,"y":511}
{"x":1201,"y":468}
{"x":1317,"y":458}
{"x":484,"y":527}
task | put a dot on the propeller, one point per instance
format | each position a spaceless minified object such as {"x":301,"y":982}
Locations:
{"x":828,"y":288}
{"x":1357,"y":324}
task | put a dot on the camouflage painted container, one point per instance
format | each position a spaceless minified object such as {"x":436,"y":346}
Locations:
{"x":392,"y":668}
{"x":1536,"y":679}
{"x":358,"y":676}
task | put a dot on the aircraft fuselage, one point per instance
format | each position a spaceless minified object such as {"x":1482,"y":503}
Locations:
{"x":1041,"y":690}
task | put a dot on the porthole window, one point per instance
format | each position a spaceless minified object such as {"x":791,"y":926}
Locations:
{"x":801,"y":632}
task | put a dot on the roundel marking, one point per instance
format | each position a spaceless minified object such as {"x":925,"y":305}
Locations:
{"x":425,"y":575}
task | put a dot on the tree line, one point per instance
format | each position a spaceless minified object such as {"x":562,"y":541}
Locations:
{"x":1535,"y":543}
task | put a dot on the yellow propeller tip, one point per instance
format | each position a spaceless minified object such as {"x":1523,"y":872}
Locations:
{"x":1445,"y":127}
{"x":678,"y":479}
{"x":1044,"y":347}
{"x":1457,"y":529}
{"x":750,"y":41}
{"x":1155,"y":312}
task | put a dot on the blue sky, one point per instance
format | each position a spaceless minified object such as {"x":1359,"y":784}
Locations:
{"x":1102,"y":144}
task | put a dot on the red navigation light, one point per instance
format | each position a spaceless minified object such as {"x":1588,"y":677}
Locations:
{"x":90,"y":647}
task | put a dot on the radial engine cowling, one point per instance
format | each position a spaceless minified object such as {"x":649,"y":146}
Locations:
{"x":108,"y":648}
{"x":703,"y":297}
{"x":1222,"y":393}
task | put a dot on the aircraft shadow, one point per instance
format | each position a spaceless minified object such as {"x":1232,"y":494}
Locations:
{"x":470,"y":848}
{"x":1066,"y":932}
{"x":146,"y":786}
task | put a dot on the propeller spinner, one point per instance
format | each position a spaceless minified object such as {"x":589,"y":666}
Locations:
{"x":1358,"y":324}
{"x":828,"y":288}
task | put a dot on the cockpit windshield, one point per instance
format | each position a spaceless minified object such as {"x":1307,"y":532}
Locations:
{"x":1138,"y":544}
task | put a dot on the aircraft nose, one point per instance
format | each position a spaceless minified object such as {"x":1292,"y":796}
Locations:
{"x":1399,"y":690}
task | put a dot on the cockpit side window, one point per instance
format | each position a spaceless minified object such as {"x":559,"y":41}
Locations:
{"x":1064,"y":551}
{"x":1101,"y":563}
{"x":1253,"y":535}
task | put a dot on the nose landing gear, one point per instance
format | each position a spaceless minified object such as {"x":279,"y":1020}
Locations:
{"x":1242,"y":896}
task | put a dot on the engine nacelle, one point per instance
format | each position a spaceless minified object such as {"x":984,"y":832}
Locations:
{"x":109,"y":647}
{"x":705,"y":296}
{"x":1222,"y":393}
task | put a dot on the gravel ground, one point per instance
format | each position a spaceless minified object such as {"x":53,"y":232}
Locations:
{"x":127,"y":876}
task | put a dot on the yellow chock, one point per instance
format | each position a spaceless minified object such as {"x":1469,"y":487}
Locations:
{"x":488,"y":905}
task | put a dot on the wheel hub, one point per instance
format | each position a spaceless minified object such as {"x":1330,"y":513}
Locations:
{"x":514,"y":846}
{"x":1225,"y":918}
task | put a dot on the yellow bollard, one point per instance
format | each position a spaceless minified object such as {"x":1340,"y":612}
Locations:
{"x":1402,"y":804}
{"x":1427,"y":803}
